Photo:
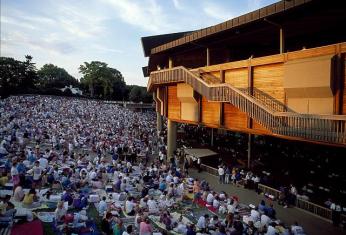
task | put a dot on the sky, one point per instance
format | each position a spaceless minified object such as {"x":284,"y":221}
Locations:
{"x":68,"y":33}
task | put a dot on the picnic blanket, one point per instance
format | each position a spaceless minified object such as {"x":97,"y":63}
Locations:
{"x":175,"y":218}
{"x":30,"y":228}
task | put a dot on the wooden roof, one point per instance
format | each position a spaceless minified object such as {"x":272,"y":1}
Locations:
{"x":150,"y":42}
{"x":273,"y":9}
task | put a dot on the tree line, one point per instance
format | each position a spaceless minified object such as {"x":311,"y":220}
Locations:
{"x":99,"y":81}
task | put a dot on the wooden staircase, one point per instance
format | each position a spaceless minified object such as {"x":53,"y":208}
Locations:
{"x":266,"y":111}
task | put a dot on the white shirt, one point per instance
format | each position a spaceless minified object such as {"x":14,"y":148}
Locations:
{"x":102,"y":207}
{"x":14,"y":171}
{"x":255,"y":215}
{"x":216,"y":203}
{"x":43,"y":163}
{"x":92,"y":175}
{"x":129,"y":206}
{"x":152,"y":205}
{"x":201,"y":224}
{"x":37,"y":170}
{"x":221,"y":171}
{"x":210,"y":198}
{"x":271,"y":230}
{"x":297,"y":230}
{"x":231,"y":209}
{"x":265,"y":220}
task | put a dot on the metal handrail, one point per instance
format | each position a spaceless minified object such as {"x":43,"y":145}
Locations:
{"x":318,"y":127}
{"x":266,"y":99}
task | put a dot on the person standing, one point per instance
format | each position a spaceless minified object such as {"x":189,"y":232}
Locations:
{"x":15,"y":175}
{"x":227,"y":175}
{"x":199,"y":165}
{"x":221,"y":172}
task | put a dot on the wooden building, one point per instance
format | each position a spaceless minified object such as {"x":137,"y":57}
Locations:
{"x":279,"y":70}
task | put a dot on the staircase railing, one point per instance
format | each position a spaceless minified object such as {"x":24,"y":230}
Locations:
{"x":324,"y":128}
{"x":266,"y":99}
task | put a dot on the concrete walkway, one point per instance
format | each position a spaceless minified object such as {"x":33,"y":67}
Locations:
{"x":312,"y":224}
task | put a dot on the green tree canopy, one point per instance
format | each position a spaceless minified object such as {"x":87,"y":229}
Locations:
{"x":102,"y":81}
{"x":138,"y":93}
{"x":16,"y":76}
{"x":51,"y":76}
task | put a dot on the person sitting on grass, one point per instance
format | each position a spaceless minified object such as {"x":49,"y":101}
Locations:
{"x":30,"y":199}
{"x":60,"y":212}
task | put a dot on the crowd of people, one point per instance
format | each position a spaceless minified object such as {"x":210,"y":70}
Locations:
{"x":60,"y":158}
{"x":298,"y":170}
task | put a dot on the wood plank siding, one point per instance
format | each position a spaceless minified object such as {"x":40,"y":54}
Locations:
{"x":269,"y":79}
{"x":234,"y":118}
{"x":173,"y":103}
{"x":237,"y":77}
{"x":210,"y":112}
{"x":344,"y":93}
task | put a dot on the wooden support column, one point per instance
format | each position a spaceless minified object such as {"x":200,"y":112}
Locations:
{"x":222,"y":75}
{"x":282,"y":40}
{"x":222,"y":106}
{"x":212,"y":137}
{"x":158,"y":122}
{"x":166,"y":102}
{"x":171,"y":138}
{"x":170,"y":62}
{"x":249,"y":150}
{"x":200,"y":109}
{"x":208,"y":57}
{"x":339,"y":81}
{"x":251,"y":90}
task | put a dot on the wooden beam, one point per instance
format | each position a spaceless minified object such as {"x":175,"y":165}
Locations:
{"x":250,"y":82}
{"x":170,"y":62}
{"x":222,"y":76}
{"x":222,"y":113}
{"x":340,"y":84}
{"x":282,"y":40}
{"x":200,"y":109}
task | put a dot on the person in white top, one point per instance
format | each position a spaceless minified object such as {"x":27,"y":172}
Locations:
{"x":15,"y":174}
{"x":43,"y":162}
{"x":255,"y":215}
{"x":152,"y":205}
{"x":216,"y":203}
{"x":37,"y":173}
{"x":210,"y":198}
{"x":265,"y":220}
{"x":102,"y":207}
{"x":202,"y":222}
{"x":130,"y":206}
{"x":297,"y":229}
{"x":221,"y":172}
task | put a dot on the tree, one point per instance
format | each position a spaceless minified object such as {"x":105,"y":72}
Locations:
{"x":135,"y":94}
{"x":102,"y":81}
{"x":51,"y":76}
{"x":16,"y":76}
{"x":139,"y":93}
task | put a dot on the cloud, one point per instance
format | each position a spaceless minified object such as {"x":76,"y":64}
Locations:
{"x":102,"y":49}
{"x":78,"y":22}
{"x":147,"y":15}
{"x":46,"y":45}
{"x":177,"y":4}
{"x":217,"y":12}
